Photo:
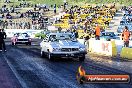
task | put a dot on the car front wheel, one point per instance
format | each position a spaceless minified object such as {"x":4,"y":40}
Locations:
{"x":50,"y":57}
{"x":42,"y":53}
{"x":29,"y":43}
{"x":82,"y":58}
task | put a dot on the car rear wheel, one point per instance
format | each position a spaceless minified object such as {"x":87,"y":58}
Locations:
{"x":13,"y":43}
{"x":50,"y":57}
{"x":82,"y":58}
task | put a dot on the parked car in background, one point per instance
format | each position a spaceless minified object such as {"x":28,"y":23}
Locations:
{"x":42,"y":34}
{"x":108,"y":36}
{"x":21,"y":38}
{"x":62,"y":45}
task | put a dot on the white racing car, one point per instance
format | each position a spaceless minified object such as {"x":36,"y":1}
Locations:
{"x":21,"y":38}
{"x":62,"y":45}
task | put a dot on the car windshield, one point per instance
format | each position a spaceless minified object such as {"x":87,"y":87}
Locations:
{"x":21,"y":34}
{"x":61,"y":37}
{"x":25,"y":34}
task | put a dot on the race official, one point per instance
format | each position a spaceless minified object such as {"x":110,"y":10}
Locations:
{"x":2,"y":42}
{"x":126,"y":36}
{"x":97,"y":32}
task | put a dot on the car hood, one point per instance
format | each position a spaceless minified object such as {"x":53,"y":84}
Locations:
{"x":66,"y":43}
{"x":23,"y":37}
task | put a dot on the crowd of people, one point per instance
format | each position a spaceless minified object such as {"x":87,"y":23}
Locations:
{"x":90,"y":20}
{"x":126,"y":25}
{"x":84,"y":19}
{"x":126,"y":20}
{"x":23,"y":16}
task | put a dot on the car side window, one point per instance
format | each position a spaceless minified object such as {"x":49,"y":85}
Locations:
{"x":45,"y":39}
{"x":103,"y":34}
{"x":52,"y":38}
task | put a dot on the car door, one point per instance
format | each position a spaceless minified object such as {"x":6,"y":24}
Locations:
{"x":45,"y":43}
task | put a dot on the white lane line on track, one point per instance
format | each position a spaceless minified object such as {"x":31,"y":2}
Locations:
{"x":21,"y":82}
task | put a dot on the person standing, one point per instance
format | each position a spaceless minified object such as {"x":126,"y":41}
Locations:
{"x":2,"y":37}
{"x":75,"y":33}
{"x":97,"y":32}
{"x":86,"y":24}
{"x":59,"y":30}
{"x":7,"y":1}
{"x":54,"y":8}
{"x":126,"y":36}
{"x":86,"y":39}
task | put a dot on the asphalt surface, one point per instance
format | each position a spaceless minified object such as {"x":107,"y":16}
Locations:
{"x":7,"y":77}
{"x":32,"y":71}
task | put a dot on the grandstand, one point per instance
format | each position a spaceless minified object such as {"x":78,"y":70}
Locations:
{"x":28,"y":14}
{"x":126,"y":20}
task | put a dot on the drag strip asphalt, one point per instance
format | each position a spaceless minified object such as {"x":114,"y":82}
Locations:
{"x":32,"y":71}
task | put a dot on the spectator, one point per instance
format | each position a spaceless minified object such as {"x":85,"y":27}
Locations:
{"x":55,"y":8}
{"x":3,"y":9}
{"x":59,"y":29}
{"x":5,"y":24}
{"x":7,"y":1}
{"x":86,"y":39}
{"x":86,"y":24}
{"x":65,"y":3}
{"x":22,"y":15}
{"x":12,"y":9}
{"x":75,"y":33}
{"x":8,"y":16}
{"x":29,"y":25}
{"x":3,"y":15}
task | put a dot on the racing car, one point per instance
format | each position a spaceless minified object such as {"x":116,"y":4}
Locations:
{"x":108,"y":36}
{"x":62,"y":45}
{"x":21,"y":38}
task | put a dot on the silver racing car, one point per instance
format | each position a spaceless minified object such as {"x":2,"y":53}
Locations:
{"x":62,"y":45}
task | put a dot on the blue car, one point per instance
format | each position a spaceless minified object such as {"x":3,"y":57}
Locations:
{"x":108,"y":36}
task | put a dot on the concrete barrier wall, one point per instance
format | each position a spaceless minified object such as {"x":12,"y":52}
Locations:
{"x":11,"y":32}
{"x":106,"y":48}
{"x":126,"y":53}
{"x":109,"y":48}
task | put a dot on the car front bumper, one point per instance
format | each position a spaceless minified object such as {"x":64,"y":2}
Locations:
{"x":22,"y":41}
{"x":68,"y":55}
